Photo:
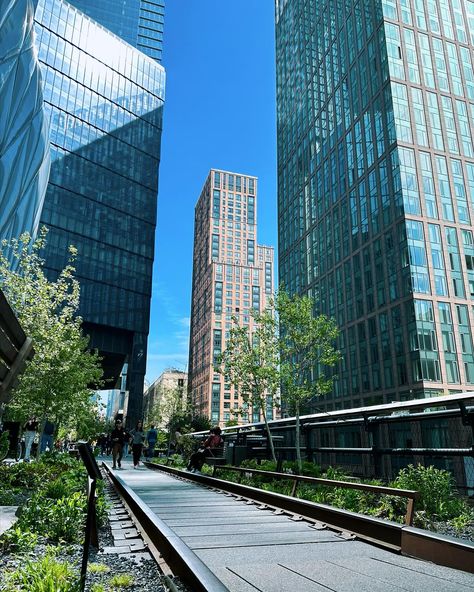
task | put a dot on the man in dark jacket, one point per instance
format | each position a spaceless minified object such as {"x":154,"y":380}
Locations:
{"x":47,"y":437}
{"x":118,"y":436}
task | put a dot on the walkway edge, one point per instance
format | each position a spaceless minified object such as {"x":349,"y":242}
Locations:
{"x":181,"y":559}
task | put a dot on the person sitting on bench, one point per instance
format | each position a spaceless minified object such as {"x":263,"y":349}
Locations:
{"x":213,"y":441}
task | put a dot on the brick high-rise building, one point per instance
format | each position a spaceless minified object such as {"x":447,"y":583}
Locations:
{"x":231,"y":275}
{"x":376,"y":187}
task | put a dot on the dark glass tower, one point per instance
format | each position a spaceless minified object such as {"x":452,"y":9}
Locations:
{"x":138,"y":22}
{"x":376,"y":187}
{"x":104,"y":102}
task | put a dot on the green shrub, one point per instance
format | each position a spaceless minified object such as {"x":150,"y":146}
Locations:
{"x":56,"y":489}
{"x":17,"y":540}
{"x":98,"y":568}
{"x":463,"y":521}
{"x":121,"y":581}
{"x":438,"y":495}
{"x":4,"y":444}
{"x":45,"y":575}
{"x":59,"y":520}
{"x":7,"y":497}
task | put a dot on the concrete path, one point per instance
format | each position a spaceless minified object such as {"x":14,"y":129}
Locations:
{"x":252,"y":549}
{"x":7,"y":517}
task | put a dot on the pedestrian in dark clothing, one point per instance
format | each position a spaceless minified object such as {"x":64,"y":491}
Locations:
{"x":29,"y":431}
{"x":214,"y":440}
{"x":118,"y":437}
{"x":151,"y":438}
{"x":47,"y":437}
{"x":108,"y":444}
{"x":137,"y":439}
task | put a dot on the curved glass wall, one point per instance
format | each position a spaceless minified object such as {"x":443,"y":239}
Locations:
{"x":24,"y":153}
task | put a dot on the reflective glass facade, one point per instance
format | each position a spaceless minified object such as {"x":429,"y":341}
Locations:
{"x":376,"y":186}
{"x":138,"y":22}
{"x":103,"y":100}
{"x":24,"y":144}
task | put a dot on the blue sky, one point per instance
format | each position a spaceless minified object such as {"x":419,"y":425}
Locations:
{"x":219,"y":112}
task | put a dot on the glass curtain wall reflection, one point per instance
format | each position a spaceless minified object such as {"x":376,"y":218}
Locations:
{"x":138,"y":22}
{"x":376,"y":187}
{"x":103,"y":100}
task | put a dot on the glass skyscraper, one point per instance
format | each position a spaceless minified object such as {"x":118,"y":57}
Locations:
{"x":103,"y":100}
{"x":138,"y":22}
{"x":24,"y":142}
{"x":376,"y":187}
{"x":232,"y":274}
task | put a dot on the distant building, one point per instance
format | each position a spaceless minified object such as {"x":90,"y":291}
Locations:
{"x":376,"y":187}
{"x":24,"y":138}
{"x":165,"y":395}
{"x":231,"y":275}
{"x":104,"y":103}
{"x":138,"y":22}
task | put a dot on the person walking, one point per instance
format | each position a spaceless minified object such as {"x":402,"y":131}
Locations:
{"x":118,"y":438}
{"x":151,"y":438}
{"x":137,"y":439}
{"x":29,"y":431}
{"x":47,"y":436}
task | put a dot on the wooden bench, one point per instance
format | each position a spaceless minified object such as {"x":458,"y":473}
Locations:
{"x":15,"y":349}
{"x":216,"y":458}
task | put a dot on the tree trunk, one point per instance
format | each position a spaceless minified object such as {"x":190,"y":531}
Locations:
{"x":297,"y":437}
{"x":269,"y":434}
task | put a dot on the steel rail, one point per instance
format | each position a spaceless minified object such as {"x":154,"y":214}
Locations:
{"x":414,"y":542}
{"x":381,"y":490}
{"x":177,"y":555}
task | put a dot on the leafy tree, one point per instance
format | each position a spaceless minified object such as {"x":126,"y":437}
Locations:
{"x":200,"y":423}
{"x":58,"y":380}
{"x":92,"y":423}
{"x":250,"y":362}
{"x":307,"y":354}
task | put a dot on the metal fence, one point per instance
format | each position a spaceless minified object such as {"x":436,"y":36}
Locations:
{"x":378,"y":441}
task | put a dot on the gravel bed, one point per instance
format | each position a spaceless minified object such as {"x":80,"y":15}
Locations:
{"x":443,"y":528}
{"x":145,"y":573}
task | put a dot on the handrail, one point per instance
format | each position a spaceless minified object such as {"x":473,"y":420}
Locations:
{"x":411,"y":495}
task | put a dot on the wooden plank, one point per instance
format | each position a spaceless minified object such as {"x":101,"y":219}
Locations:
{"x":17,"y":367}
{"x":7,"y":350}
{"x":10,"y":324}
{"x":3,"y":370}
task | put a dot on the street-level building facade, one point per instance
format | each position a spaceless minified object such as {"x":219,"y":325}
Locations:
{"x":103,"y":101}
{"x":376,"y":187}
{"x":166,"y":396}
{"x":232,"y":274}
{"x":138,"y":22}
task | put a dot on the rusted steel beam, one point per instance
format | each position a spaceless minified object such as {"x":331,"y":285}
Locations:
{"x":180,"y":558}
{"x":421,"y":544}
{"x":440,"y":549}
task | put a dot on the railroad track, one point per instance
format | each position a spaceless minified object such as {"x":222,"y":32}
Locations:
{"x":217,"y":536}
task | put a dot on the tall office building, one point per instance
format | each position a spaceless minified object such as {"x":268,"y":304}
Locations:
{"x":104,"y":101}
{"x":376,"y":187}
{"x":231,"y":275}
{"x":24,"y":141}
{"x":138,"y":22}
